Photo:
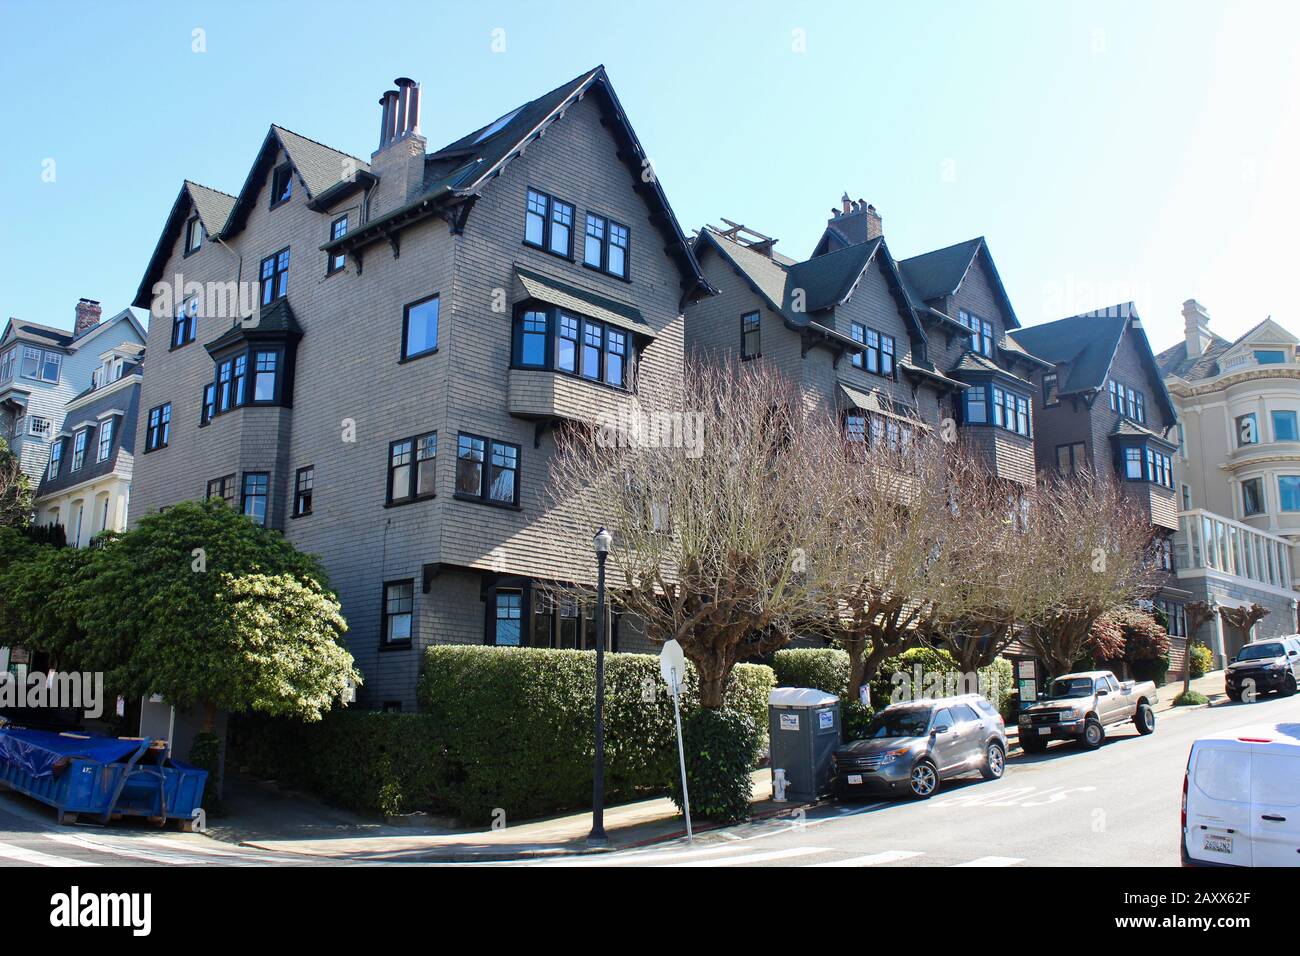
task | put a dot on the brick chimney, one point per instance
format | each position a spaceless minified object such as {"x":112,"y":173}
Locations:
{"x":399,"y":160}
{"x":88,"y":314}
{"x":1196,"y":328}
{"x":856,"y":220}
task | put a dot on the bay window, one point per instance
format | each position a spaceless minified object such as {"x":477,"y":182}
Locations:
{"x":578,"y":346}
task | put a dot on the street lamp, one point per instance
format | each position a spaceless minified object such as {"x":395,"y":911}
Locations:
{"x":597,"y":837}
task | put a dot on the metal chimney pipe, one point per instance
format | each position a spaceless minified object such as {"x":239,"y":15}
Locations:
{"x":391,"y":125}
{"x":404,"y":115}
{"x":383,"y":121}
{"x":413,"y":109}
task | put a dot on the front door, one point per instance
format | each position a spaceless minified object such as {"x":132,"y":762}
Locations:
{"x":946,"y":740}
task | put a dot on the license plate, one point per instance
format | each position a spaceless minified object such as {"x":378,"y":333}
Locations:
{"x":1044,"y":730}
{"x":855,"y":778}
{"x":1218,"y":843}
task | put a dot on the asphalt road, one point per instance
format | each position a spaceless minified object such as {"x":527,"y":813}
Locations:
{"x":1116,"y":806}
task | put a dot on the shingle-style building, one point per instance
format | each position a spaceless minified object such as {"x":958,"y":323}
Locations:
{"x":886,"y":345}
{"x":43,"y":368}
{"x":1101,"y":406}
{"x":1238,"y":473}
{"x":426,"y":320}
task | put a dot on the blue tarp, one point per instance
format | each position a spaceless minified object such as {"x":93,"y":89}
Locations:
{"x":37,"y":751}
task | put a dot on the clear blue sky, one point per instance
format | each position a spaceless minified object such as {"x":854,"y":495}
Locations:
{"x":1108,"y":151}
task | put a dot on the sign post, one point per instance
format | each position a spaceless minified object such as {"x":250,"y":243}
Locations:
{"x":672,"y":664}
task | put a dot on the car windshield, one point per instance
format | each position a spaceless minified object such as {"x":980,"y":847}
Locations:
{"x":906,"y":722}
{"x":1254,"y":652}
{"x":1071,"y":687}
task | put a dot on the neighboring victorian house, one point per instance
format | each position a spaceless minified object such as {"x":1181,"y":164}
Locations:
{"x":887,"y":346}
{"x":1102,"y":407}
{"x":87,"y":484}
{"x":425,"y":321}
{"x":43,"y":368}
{"x":1238,"y":473}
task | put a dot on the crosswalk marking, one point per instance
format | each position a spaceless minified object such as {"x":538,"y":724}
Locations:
{"x":992,"y":861}
{"x":647,"y":857}
{"x":873,"y":859}
{"x":756,"y":857}
{"x":117,"y":850}
{"x":36,"y":858}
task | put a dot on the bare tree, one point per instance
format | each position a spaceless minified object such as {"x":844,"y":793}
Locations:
{"x":1244,"y":618}
{"x":1096,"y":552}
{"x":725,"y":547}
{"x":1196,"y":614}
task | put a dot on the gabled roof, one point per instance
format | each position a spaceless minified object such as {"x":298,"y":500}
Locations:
{"x":319,"y":167}
{"x":933,"y":275}
{"x":274,"y":320}
{"x":457,"y":173}
{"x":1173,"y":360}
{"x":48,"y":333}
{"x":1085,"y":345}
{"x":213,"y":207}
{"x":827,"y":280}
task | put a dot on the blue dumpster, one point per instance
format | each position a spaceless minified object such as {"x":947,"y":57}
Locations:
{"x":103,"y":776}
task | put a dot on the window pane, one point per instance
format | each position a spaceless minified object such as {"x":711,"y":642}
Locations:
{"x":421,"y":328}
{"x":505,"y":464}
{"x":256,"y":485}
{"x":1284,"y":426}
{"x":976,"y":409}
{"x":508,"y":614}
{"x":566,"y":347}
{"x":561,"y":226}
{"x":399,"y":601}
{"x":264,"y":380}
{"x":535,"y":219}
{"x":399,"y":470}
{"x":469,"y":466}
{"x":1289,"y":487}
{"x":618,"y":241}
{"x":426,"y":454}
{"x":532,"y":339}
{"x":592,"y":340}
{"x":615,"y":350}
{"x":595,"y":241}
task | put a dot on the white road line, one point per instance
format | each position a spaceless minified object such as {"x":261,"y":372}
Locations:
{"x":992,"y":861}
{"x":114,"y":849}
{"x":643,"y":857}
{"x":187,"y":846}
{"x":36,"y":858}
{"x":873,"y":859}
{"x":744,"y":858}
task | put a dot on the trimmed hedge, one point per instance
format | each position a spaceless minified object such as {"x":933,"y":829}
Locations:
{"x":363,"y":760}
{"x":1200,"y":659}
{"x":516,"y":725}
{"x":997,"y":678}
{"x":721,"y":749}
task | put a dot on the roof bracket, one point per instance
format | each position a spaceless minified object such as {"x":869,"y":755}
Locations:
{"x":456,"y":216}
{"x":356,"y":258}
{"x":543,"y":426}
{"x":394,"y":240}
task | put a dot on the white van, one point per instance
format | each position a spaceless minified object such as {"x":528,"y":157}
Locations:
{"x":1241,"y":798}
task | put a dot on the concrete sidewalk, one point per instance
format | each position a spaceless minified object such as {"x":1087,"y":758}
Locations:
{"x":626,"y":825}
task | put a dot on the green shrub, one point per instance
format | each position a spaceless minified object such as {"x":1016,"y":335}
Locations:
{"x":363,"y":760}
{"x":997,"y":679}
{"x":205,"y":753}
{"x":516,"y":725}
{"x":826,"y":669}
{"x":1190,"y":699}
{"x":1200,"y":659}
{"x":1152,"y":670}
{"x":721,"y":752}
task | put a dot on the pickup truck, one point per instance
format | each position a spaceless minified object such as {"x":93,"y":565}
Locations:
{"x":1082,"y":706}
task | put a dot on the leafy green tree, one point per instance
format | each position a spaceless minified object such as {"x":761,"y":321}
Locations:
{"x":15,"y":490}
{"x":38,"y":587}
{"x":202,"y":606}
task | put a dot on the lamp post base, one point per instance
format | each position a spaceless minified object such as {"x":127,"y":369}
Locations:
{"x":597,"y":839}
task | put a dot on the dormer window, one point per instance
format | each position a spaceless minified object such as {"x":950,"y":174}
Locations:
{"x":981,"y":332}
{"x":56,"y":457}
{"x":1270,"y":356}
{"x":281,"y":184}
{"x":79,"y":449}
{"x":105,"y":440}
{"x":184,"y":325}
{"x":194,"y":235}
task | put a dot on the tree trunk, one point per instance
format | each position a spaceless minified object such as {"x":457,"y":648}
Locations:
{"x":209,"y":717}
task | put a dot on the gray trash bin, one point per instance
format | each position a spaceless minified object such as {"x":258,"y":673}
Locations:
{"x":804,"y":728}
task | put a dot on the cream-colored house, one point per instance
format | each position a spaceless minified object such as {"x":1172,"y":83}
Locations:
{"x":1238,"y":470}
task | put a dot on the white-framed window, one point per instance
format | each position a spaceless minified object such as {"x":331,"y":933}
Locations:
{"x":7,"y":363}
{"x":79,"y":449}
{"x":105,"y":440}
{"x":38,"y":427}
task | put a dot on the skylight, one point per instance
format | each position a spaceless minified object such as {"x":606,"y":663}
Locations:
{"x":496,"y":127}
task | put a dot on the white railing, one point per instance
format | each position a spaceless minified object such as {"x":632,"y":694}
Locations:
{"x":1209,"y":540}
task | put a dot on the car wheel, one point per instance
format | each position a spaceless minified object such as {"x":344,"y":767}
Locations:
{"x":1234,"y":695}
{"x":1145,"y":719}
{"x":1289,"y":689}
{"x":1094,"y":735}
{"x":995,"y":762}
{"x":924,"y":780}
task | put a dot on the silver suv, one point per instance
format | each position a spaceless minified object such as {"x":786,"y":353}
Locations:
{"x":910,"y":748}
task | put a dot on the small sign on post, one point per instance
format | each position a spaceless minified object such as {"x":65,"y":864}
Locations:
{"x":672,"y":664}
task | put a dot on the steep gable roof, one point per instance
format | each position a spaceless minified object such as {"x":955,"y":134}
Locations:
{"x":933,"y":275}
{"x":1086,"y":345}
{"x":213,"y":208}
{"x":48,"y":333}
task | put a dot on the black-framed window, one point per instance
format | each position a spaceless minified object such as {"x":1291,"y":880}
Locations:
{"x":281,"y":184}
{"x":580,"y":346}
{"x":274,"y":276}
{"x":222,"y":489}
{"x":1133,"y":463}
{"x":605,"y":245}
{"x":1252,"y":496}
{"x":266,"y":370}
{"x":1051,"y":394}
{"x":335,"y":261}
{"x":975,"y":405}
{"x":256,"y":496}
{"x":304,"y":480}
{"x":231,"y":386}
{"x":79,"y":448}
{"x":159,"y":428}
{"x":1160,"y":468}
{"x":56,"y":457}
{"x":1010,"y":410}
{"x":751,"y":335}
{"x":1072,"y":458}
{"x":487,"y":470}
{"x":420,"y":327}
{"x":878,"y":356}
{"x":105,"y":439}
{"x":412,"y":468}
{"x":399,"y":611}
{"x":209,"y":406}
{"x":194,"y":235}
{"x":239,"y":380}
{"x":508,"y":611}
{"x":548,"y":223}
{"x":981,"y":332}
{"x":185,"y":322}
{"x":562,"y":621}
{"x":887,"y":355}
{"x":859,"y":333}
